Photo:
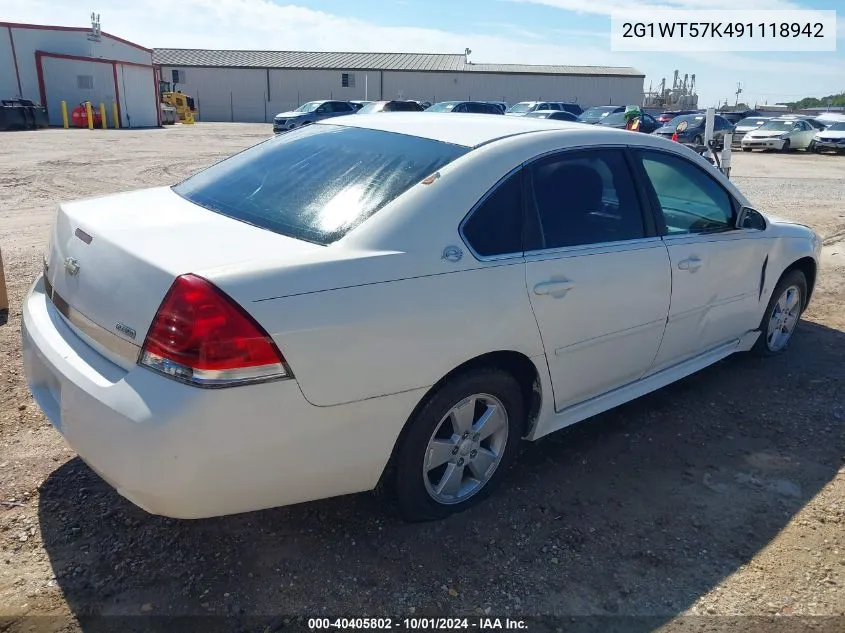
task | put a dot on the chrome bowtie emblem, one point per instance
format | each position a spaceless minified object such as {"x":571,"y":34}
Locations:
{"x":71,"y":266}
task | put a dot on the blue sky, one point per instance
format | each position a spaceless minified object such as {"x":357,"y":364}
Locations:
{"x":509,"y":31}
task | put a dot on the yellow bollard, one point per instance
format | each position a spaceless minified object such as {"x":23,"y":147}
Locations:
{"x":114,"y":115}
{"x":64,"y":115}
{"x":4,"y":297}
{"x":90,"y":114}
{"x":103,"y":116}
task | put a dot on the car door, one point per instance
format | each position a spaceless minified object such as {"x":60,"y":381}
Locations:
{"x":803,"y":135}
{"x":339,"y":108}
{"x":597,"y":274}
{"x":717,"y":269}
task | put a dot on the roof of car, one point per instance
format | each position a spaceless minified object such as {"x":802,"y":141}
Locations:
{"x":468,"y":130}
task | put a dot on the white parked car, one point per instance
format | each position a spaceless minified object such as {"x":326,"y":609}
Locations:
{"x":831,"y":138}
{"x":393,"y":302}
{"x":783,"y":134}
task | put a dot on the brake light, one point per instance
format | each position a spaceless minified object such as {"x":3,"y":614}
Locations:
{"x":675,"y":136}
{"x":201,"y":336}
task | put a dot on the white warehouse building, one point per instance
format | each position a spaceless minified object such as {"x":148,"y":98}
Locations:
{"x":51,"y":64}
{"x":253,"y":86}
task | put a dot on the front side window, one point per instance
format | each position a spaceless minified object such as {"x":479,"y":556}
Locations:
{"x":584,"y":198}
{"x":690,"y":200}
{"x":495,"y":226}
{"x":318,"y":182}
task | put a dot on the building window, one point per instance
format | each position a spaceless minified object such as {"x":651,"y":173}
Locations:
{"x":85,"y":82}
{"x":178,"y":76}
{"x":347,"y":80}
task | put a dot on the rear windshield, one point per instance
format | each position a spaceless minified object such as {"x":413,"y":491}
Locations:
{"x":318,"y":182}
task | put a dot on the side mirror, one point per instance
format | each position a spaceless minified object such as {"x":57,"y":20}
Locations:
{"x":749,"y":218}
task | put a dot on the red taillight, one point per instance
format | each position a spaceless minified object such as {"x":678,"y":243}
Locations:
{"x":200,"y":335}
{"x":675,"y":136}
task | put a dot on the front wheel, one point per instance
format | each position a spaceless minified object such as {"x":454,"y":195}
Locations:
{"x":785,"y":147}
{"x":782,"y":314}
{"x":746,"y":149}
{"x":458,"y":445}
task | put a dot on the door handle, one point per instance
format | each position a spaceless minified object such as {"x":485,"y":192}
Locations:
{"x":554,"y":287}
{"x":692,"y":264}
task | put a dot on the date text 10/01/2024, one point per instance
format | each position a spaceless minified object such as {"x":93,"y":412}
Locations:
{"x":416,"y":624}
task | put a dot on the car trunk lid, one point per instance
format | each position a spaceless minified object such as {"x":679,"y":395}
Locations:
{"x":111,"y":260}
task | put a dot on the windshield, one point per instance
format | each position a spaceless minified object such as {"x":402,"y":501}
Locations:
{"x":751,"y":122}
{"x":318,"y":182}
{"x":309,"y":107}
{"x":617,"y":118}
{"x":519,"y":108}
{"x":597,"y":113}
{"x":781,"y":126}
{"x":836,"y":127}
{"x":443,"y":106}
{"x":375,"y":106}
{"x":693,"y":121}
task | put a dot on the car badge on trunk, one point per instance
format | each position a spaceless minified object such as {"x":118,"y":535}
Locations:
{"x":71,"y":266}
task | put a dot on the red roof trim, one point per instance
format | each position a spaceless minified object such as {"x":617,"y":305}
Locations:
{"x":76,"y":29}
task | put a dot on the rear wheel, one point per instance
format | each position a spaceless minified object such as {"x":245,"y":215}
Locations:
{"x":782,"y":314}
{"x":459,"y":445}
{"x":746,"y":149}
{"x":698,"y":140}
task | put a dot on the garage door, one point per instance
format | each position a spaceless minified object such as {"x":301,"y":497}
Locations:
{"x":76,"y":81}
{"x":138,"y":102}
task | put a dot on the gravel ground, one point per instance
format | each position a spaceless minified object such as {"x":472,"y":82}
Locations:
{"x":722,"y":495}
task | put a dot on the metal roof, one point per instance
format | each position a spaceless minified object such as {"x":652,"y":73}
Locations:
{"x":434,"y":62}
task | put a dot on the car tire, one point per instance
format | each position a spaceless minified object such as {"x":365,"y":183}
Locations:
{"x":785,"y":148}
{"x":415,"y":482}
{"x":746,"y":149}
{"x":770,"y":343}
{"x":698,"y":140}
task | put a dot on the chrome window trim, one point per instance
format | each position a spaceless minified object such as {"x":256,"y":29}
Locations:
{"x":597,"y":248}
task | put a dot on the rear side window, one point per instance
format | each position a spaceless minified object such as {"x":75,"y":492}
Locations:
{"x":495,"y":226}
{"x":584,"y":198}
{"x":318,"y":182}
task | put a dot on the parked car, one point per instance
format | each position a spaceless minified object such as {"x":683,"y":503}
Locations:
{"x":309,"y":113}
{"x":554,"y":115}
{"x":664,"y":117}
{"x":735,"y":116}
{"x":391,"y":106}
{"x":501,"y":104}
{"x":425,"y":104}
{"x":648,"y":123}
{"x":473,"y":107}
{"x":745,"y":126}
{"x":524,"y":107}
{"x":813,"y":121}
{"x":780,"y":134}
{"x":574,"y":108}
{"x":359,"y":104}
{"x":241,"y":340}
{"x":597,"y":113}
{"x":690,"y":129}
{"x":832,"y":138}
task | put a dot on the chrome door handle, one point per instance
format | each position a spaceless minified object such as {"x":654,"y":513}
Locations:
{"x":554,"y":287}
{"x":692,"y":264}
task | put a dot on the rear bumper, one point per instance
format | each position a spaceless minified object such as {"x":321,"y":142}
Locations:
{"x":186,"y":452}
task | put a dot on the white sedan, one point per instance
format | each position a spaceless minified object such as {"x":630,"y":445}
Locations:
{"x":394,"y":303}
{"x":780,"y":134}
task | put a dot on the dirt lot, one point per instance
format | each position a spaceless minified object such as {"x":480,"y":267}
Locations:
{"x":722,"y":495}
